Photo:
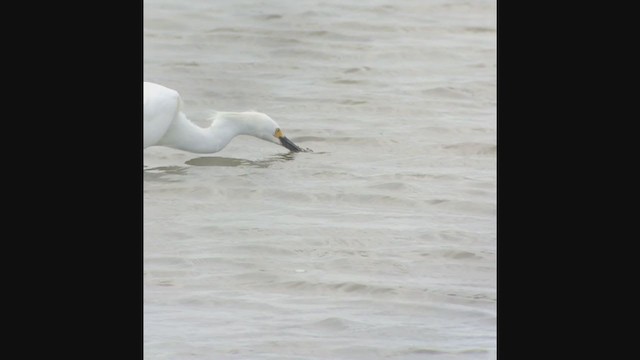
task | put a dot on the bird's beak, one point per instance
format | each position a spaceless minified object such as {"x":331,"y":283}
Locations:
{"x":289,"y":144}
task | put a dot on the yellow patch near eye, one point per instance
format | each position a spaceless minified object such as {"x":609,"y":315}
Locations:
{"x":278,"y":133}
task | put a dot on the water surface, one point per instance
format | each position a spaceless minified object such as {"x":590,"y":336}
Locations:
{"x":379,"y":244}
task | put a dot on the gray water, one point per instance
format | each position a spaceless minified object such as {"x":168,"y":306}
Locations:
{"x":379,"y":244}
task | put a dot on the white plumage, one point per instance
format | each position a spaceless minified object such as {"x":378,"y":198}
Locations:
{"x":166,"y":125}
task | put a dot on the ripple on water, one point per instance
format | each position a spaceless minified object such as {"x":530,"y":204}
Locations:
{"x":472,"y":148}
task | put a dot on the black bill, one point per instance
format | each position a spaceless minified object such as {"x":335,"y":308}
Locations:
{"x":289,"y":144}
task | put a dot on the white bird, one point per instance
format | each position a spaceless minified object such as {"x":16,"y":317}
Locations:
{"x":166,"y":125}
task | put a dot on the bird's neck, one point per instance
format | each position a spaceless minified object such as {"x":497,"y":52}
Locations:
{"x":190,"y":137}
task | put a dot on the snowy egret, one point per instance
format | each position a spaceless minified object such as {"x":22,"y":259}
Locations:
{"x":166,"y":125}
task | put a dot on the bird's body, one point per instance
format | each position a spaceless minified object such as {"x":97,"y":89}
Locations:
{"x":166,"y":125}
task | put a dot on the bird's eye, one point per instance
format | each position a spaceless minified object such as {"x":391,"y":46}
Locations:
{"x":278,"y":133}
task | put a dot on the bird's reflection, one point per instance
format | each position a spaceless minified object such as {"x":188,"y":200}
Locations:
{"x":173,"y":173}
{"x":225,"y":161}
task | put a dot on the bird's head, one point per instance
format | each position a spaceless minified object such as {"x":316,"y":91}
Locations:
{"x":265,"y":128}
